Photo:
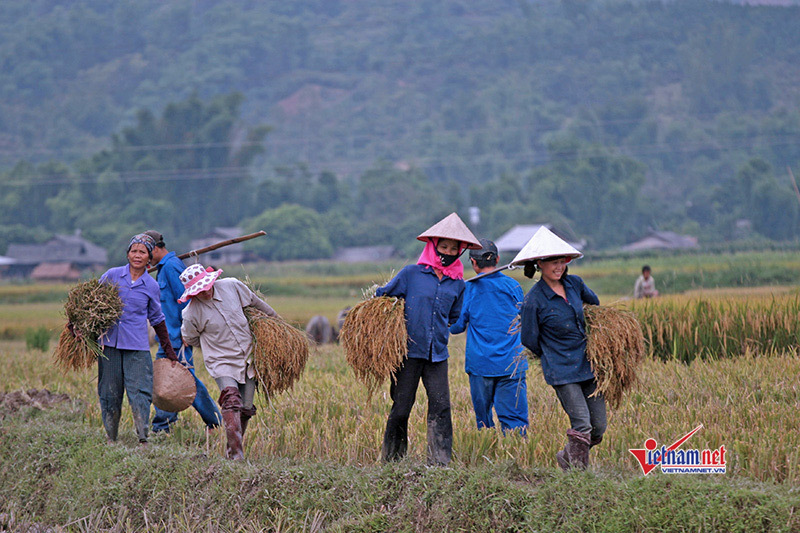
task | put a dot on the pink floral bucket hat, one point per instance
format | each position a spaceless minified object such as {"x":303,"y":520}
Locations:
{"x":196,"y":279}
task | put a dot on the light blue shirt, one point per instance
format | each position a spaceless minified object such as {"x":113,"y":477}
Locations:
{"x":169,"y":283}
{"x":491,"y":305}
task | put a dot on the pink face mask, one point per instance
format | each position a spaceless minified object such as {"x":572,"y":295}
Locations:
{"x":431,"y":258}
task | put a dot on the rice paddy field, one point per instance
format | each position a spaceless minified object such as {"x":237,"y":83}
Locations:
{"x":725,"y":358}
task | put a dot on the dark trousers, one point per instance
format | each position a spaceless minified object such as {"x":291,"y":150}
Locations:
{"x":586,"y":415}
{"x":440,"y":425}
{"x":121,"y":371}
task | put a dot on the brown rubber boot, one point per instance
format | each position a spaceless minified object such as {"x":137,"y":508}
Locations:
{"x":576,"y":453}
{"x":230,"y":400}
{"x":247,"y":414}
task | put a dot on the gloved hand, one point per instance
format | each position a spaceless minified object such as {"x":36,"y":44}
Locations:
{"x":75,"y":332}
{"x":163,"y":340}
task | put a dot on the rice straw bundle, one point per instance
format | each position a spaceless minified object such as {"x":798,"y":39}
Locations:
{"x":91,"y":308}
{"x":614,"y":347}
{"x":280,"y":351}
{"x":375,"y":339}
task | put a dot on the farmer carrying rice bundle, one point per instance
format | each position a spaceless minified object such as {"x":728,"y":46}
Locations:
{"x":91,"y":309}
{"x":168,"y":270}
{"x":553,"y":328}
{"x":433,"y":292}
{"x":126,"y":364}
{"x":215,"y":320}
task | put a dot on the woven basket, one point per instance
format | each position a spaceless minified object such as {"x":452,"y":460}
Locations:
{"x":173,"y":386}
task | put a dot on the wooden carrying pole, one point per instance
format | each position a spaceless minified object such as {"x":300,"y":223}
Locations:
{"x":498,"y":269}
{"x":220,"y":244}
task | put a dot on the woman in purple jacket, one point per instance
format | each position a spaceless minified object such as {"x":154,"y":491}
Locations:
{"x":126,"y":365}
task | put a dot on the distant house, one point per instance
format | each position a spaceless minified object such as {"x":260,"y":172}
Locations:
{"x":73,"y":250}
{"x":662,"y":240}
{"x":517,"y":237}
{"x":227,"y":255}
{"x":55,"y":272}
{"x":364,"y":254}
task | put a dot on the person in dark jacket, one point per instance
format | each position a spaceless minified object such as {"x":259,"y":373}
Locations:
{"x":554,"y":329}
{"x":168,"y":275}
{"x":494,"y":361}
{"x":433,"y":291}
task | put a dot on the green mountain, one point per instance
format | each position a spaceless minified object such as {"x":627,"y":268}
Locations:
{"x":612,"y":117}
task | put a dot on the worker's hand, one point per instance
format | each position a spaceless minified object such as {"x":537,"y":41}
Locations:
{"x":170,"y":354}
{"x":75,"y":332}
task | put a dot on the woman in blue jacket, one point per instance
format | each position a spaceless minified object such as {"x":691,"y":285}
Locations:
{"x":433,"y":292}
{"x":553,"y":328}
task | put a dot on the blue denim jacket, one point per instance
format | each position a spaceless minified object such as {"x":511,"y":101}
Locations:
{"x":491,"y":304}
{"x":555,"y":330}
{"x":431,"y":306}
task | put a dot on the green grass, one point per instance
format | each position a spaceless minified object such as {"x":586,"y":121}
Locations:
{"x":65,"y":475}
{"x":312,"y":453}
{"x":312,"y":458}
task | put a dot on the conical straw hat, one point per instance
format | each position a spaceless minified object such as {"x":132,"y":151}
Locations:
{"x":545,"y":243}
{"x":451,"y":227}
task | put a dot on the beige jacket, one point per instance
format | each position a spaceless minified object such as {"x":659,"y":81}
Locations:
{"x":220,"y":328}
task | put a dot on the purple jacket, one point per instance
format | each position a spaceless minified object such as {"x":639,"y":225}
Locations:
{"x":140,"y":303}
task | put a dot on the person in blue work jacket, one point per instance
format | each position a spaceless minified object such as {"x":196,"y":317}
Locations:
{"x":169,"y":268}
{"x":433,"y":292}
{"x":554,"y":329}
{"x":494,"y":361}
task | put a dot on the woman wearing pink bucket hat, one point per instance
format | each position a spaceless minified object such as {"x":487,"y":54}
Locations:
{"x":433,"y":291}
{"x":215,"y":321}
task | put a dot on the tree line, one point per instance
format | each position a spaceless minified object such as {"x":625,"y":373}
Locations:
{"x":191,"y":168}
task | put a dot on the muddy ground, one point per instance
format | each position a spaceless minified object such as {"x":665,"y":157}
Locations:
{"x":11,"y":402}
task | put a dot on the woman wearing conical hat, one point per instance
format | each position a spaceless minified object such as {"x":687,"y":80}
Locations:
{"x":553,"y":328}
{"x":433,"y":291}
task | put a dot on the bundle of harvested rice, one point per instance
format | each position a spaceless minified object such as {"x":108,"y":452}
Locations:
{"x":375,"y":339}
{"x":280,"y":351}
{"x":91,"y":309}
{"x":614,"y":347}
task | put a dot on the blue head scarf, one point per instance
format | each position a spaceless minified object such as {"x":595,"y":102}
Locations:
{"x":143,"y":238}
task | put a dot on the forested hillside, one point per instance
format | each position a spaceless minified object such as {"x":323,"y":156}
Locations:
{"x":366,"y":120}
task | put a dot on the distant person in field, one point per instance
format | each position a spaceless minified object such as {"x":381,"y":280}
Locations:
{"x":168,"y":275}
{"x":645,"y":286}
{"x":126,"y":365}
{"x":215,"y":321}
{"x":553,"y":328}
{"x":494,"y":361}
{"x":433,"y":292}
{"x":319,"y":330}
